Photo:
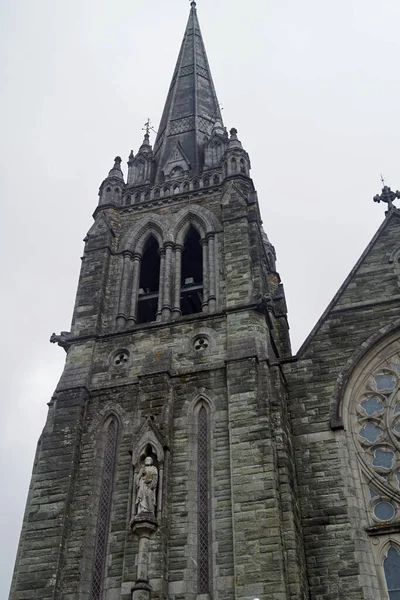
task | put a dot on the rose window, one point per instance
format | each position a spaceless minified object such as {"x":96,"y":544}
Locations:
{"x":376,"y":432}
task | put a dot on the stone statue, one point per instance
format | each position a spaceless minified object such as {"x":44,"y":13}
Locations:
{"x":146,"y":487}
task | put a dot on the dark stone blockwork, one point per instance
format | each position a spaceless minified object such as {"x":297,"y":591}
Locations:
{"x":187,"y":454}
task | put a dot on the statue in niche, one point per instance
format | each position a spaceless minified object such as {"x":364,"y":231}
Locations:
{"x":146,"y":487}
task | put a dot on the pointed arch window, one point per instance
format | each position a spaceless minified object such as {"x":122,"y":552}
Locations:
{"x":192,"y":274}
{"x":203,"y":510}
{"x":149,"y":283}
{"x":104,"y":514}
{"x":391,"y":566}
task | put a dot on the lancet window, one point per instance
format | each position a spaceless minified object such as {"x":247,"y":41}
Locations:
{"x":203,"y":503}
{"x":149,"y":283}
{"x":104,"y":510}
{"x":192,"y":274}
{"x":391,"y":566}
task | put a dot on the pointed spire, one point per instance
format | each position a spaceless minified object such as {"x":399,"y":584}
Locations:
{"x":234,"y":141}
{"x":116,"y":171}
{"x":192,"y":107}
{"x":146,"y":148}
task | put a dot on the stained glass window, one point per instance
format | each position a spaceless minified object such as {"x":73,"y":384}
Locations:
{"x":203,"y":541}
{"x":391,"y":566}
{"x":103,"y":520}
{"x":384,"y":511}
{"x":372,"y":405}
{"x":384,"y":382}
{"x":383,"y":459}
{"x":370,"y":432}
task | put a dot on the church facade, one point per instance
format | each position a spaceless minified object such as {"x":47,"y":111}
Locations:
{"x":187,"y":454}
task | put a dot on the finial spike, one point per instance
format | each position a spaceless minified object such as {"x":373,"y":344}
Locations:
{"x":193,"y":4}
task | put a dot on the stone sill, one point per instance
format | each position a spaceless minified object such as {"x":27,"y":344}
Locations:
{"x":383,"y":528}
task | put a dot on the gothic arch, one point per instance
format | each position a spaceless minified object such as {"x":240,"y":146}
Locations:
{"x":201,"y":394}
{"x":108,"y":410}
{"x":341,"y":386}
{"x":201,"y":218}
{"x":208,"y":227}
{"x":136,"y":238}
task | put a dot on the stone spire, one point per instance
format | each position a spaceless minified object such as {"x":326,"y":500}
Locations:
{"x":192,"y":108}
{"x":116,"y":171}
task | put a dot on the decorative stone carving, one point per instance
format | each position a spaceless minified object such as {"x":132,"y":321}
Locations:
{"x":146,"y":487}
{"x":63,"y":340}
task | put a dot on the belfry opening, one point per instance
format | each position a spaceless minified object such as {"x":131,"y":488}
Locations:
{"x":149,"y":283}
{"x":192,"y":274}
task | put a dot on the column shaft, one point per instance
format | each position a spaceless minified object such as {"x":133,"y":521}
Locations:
{"x":176,"y":306}
{"x":134,"y":290}
{"x":211,"y":257}
{"x":166,"y":310}
{"x":124,"y":291}
{"x":204,"y":244}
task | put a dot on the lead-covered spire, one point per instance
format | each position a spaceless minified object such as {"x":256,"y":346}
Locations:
{"x":191,"y":109}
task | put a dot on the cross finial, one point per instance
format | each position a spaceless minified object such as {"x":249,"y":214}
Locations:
{"x":387,"y":195}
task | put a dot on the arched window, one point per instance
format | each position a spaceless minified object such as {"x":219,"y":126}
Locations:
{"x":108,"y":195}
{"x":176,"y":173}
{"x":242,"y":166}
{"x":206,"y":182}
{"x":156,"y":193}
{"x":176,"y":189}
{"x":166,"y":191}
{"x":216,"y":180}
{"x":186,"y":186}
{"x":127,"y":201}
{"x":192,"y":274}
{"x":216,"y":153}
{"x":149,"y":283}
{"x":137,"y":197}
{"x":391,"y":566}
{"x":103,"y":519}
{"x":147,"y":196}
{"x":203,"y":503}
{"x":196,"y":185}
{"x":233,"y":165}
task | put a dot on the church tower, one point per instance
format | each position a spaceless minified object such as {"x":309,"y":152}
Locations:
{"x":165,"y":468}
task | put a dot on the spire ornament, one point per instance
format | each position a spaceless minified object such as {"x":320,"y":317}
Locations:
{"x":387,"y":196}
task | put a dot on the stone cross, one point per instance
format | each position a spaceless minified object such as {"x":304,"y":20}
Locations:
{"x":387,"y":196}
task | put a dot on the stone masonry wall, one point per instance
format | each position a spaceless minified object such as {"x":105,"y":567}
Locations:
{"x":338,"y":550}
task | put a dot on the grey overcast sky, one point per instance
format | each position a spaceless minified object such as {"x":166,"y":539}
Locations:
{"x":311,"y":86}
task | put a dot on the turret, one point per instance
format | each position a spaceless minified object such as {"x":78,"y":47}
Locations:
{"x":139,"y":166}
{"x":110,"y":191}
{"x":236,"y":160}
{"x":216,"y":146}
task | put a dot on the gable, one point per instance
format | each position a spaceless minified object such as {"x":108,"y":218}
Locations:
{"x":176,"y":162}
{"x":374,"y":281}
